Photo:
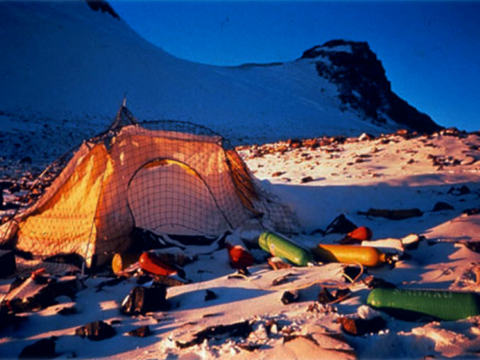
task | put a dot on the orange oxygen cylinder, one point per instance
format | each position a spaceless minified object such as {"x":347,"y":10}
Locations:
{"x":240,"y":258}
{"x":350,"y":254}
{"x":153,"y":264}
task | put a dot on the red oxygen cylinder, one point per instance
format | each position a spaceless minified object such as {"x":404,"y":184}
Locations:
{"x":153,"y":264}
{"x":357,"y":235}
{"x":240,"y":258}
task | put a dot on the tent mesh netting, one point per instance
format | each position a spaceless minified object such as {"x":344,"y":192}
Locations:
{"x":166,"y":177}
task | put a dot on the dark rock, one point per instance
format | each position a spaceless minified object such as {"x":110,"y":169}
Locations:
{"x":142,"y":331}
{"x":362,"y":84}
{"x":103,"y":6}
{"x":306,"y":179}
{"x":210,"y":295}
{"x":96,"y":331}
{"x":290,"y":297}
{"x":141,"y":300}
{"x":470,"y":212}
{"x":359,"y":327}
{"x":7,"y":263}
{"x":340,"y":225}
{"x":241,"y":329}
{"x":325,"y":297}
{"x":440,"y":206}
{"x":393,"y":214}
{"x":373,"y":282}
{"x":42,"y":349}
{"x":463,"y":190}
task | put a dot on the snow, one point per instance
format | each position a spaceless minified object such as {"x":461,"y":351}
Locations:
{"x":347,"y":177}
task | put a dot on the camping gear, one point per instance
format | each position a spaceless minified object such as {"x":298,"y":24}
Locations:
{"x":175,"y":179}
{"x":349,"y":254}
{"x":239,"y":257}
{"x":418,"y":304}
{"x":121,"y":261}
{"x":358,"y":235}
{"x":283,"y":247}
{"x":153,"y":264}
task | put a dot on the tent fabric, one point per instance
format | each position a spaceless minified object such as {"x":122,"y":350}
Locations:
{"x":163,"y":181}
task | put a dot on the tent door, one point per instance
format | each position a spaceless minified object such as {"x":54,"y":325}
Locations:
{"x":169,"y":197}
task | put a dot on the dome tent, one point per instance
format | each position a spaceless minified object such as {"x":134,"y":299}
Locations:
{"x":177,"y":179}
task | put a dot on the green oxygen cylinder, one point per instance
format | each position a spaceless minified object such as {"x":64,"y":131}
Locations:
{"x":280,"y":246}
{"x":417,"y":304}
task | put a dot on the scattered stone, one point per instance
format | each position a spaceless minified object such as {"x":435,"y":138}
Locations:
{"x":365,"y":137}
{"x":440,"y":206}
{"x":295,"y":143}
{"x":340,"y":225}
{"x":468,"y":160}
{"x":65,"y":311}
{"x":7,"y":263}
{"x":42,"y":349}
{"x":210,"y":295}
{"x":278,"y":173}
{"x":373,"y":282}
{"x":470,"y":212}
{"x":325,"y":297}
{"x":393,"y":214}
{"x":359,"y":327}
{"x":142,"y":331}
{"x":290,"y":297}
{"x":141,"y":300}
{"x":96,"y":331}
{"x":240,"y":329}
{"x":38,"y":292}
{"x":306,"y":179}
{"x":463,"y":190}
{"x":282,"y":279}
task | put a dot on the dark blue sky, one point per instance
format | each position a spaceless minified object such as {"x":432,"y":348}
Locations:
{"x":430,"y":50}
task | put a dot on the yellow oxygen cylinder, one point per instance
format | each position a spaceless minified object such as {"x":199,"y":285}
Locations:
{"x":349,"y":254}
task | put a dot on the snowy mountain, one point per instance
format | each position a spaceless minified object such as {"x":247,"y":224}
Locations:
{"x":66,"y":66}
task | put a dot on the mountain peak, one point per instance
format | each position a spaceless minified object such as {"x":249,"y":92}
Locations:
{"x":103,"y":6}
{"x":363,"y":85}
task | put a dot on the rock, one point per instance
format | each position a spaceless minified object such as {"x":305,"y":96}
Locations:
{"x":440,"y":206}
{"x":96,"y":331}
{"x":142,"y":331}
{"x":7,"y":263}
{"x":468,"y":160}
{"x":240,"y":329}
{"x":141,"y":300}
{"x":42,"y":349}
{"x":306,"y":179}
{"x":210,"y":295}
{"x":290,"y":297}
{"x":393,"y":214}
{"x":340,"y":225}
{"x":359,"y":327}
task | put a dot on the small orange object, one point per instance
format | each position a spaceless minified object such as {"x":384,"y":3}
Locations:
{"x":153,"y":264}
{"x":240,"y":258}
{"x":358,"y":235}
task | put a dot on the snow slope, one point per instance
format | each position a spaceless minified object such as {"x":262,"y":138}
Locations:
{"x":64,"y":70}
